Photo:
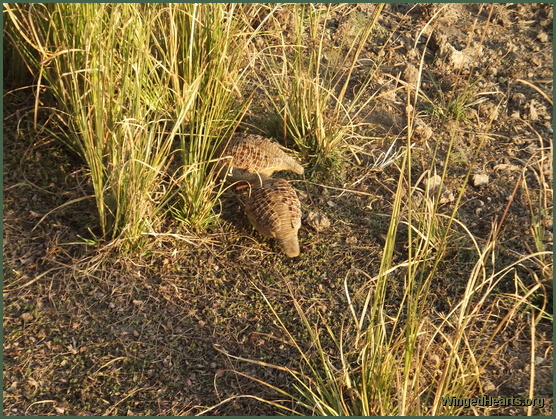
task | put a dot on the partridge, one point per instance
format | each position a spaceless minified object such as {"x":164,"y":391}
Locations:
{"x":254,"y":157}
{"x":274,"y":210}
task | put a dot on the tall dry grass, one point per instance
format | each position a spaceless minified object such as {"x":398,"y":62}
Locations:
{"x":410,"y":359}
{"x":135,"y":83}
{"x":308,"y":78}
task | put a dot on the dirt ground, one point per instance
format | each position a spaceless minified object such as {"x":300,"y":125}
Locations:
{"x":88,"y":332}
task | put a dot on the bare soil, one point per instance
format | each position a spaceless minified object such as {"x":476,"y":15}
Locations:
{"x":90,"y":332}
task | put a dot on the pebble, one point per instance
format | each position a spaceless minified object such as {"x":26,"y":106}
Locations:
{"x":411,"y":74}
{"x":543,"y":37}
{"x":446,"y":194}
{"x":480,"y":179}
{"x":318,"y":221}
{"x":26,"y":317}
{"x":422,"y":131}
{"x":533,"y":115}
{"x":351,"y":240}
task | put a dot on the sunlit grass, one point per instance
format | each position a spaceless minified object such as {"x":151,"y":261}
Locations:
{"x":306,"y":80}
{"x":207,"y":44}
{"x":130,"y":80}
{"x":407,"y":359}
{"x":148,"y":93}
{"x":380,"y":360}
{"x":115,"y":100}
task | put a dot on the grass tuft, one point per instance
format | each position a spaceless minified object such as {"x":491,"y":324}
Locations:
{"x":308,"y":79}
{"x":130,"y":80}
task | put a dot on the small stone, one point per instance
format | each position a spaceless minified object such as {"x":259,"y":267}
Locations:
{"x":533,"y":115}
{"x":26,"y":317}
{"x":480,"y":179}
{"x":411,"y":75}
{"x":446,"y":196}
{"x":543,"y":37}
{"x":318,"y":221}
{"x":435,"y":182}
{"x":488,"y":386}
{"x":422,"y":131}
{"x":488,"y":110}
{"x":351,"y":240}
{"x":417,"y":199}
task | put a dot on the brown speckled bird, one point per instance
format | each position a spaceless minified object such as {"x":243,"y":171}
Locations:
{"x":253,"y":158}
{"x":275,"y":211}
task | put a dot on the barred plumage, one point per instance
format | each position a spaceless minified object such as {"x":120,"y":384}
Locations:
{"x":275,"y":211}
{"x":253,"y":157}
